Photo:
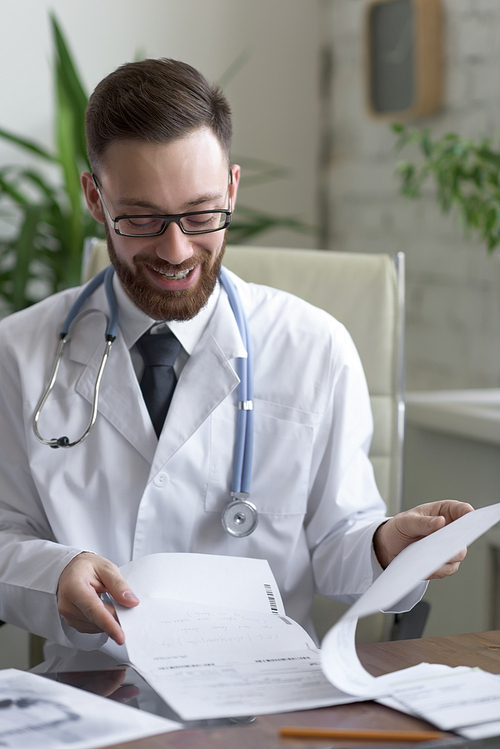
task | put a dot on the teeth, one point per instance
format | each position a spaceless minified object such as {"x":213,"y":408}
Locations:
{"x":174,"y":276}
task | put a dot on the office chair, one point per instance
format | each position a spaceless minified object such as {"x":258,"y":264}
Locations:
{"x":366,"y":293}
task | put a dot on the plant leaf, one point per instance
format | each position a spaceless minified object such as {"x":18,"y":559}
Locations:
{"x":25,"y":249}
{"x":68,"y":80}
{"x":27,"y":144}
{"x":466,"y":174}
{"x":249,"y":222}
{"x":234,"y":68}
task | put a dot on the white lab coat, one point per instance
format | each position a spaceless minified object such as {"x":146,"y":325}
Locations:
{"x":123,"y":494}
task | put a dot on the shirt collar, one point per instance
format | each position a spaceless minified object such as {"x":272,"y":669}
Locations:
{"x":133,"y":322}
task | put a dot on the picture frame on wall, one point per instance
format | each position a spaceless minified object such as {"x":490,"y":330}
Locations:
{"x":404,"y":59}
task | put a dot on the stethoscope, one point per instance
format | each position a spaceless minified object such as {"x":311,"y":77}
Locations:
{"x":239,"y":517}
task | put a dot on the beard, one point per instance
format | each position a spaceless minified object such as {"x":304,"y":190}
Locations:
{"x":161,"y":304}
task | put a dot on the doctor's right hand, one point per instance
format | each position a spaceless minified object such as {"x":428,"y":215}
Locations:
{"x":81,"y":583}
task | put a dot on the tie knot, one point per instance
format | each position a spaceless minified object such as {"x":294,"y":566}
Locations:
{"x":158,"y":349}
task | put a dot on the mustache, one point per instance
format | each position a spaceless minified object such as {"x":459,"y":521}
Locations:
{"x":153,"y":261}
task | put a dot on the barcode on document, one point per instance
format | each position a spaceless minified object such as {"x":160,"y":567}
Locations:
{"x":271,"y":598}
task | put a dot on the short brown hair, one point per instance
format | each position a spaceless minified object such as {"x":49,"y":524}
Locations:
{"x":157,"y":101}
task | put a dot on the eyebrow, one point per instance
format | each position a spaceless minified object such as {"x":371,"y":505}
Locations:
{"x":137,"y":203}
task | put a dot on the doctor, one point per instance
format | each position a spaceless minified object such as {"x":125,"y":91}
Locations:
{"x":158,"y":140}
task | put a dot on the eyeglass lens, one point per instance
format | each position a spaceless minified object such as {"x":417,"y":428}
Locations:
{"x":195,"y":223}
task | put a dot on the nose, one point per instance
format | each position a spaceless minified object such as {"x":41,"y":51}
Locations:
{"x":173,"y":246}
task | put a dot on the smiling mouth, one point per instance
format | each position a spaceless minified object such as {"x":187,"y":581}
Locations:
{"x":174,"y":276}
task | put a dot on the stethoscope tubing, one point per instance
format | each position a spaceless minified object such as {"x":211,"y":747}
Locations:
{"x":242,"y":468}
{"x":106,"y":277}
{"x":242,"y":465}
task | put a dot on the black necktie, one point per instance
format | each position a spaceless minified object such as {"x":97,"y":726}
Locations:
{"x":159,"y":352}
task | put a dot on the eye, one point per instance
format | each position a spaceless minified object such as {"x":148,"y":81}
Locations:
{"x":142,"y":222}
{"x":203,"y":221}
{"x":197,"y":221}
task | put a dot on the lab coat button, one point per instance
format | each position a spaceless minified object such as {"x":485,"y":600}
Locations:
{"x":160,"y":480}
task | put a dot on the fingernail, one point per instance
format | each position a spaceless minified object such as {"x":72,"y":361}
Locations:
{"x":128,"y":594}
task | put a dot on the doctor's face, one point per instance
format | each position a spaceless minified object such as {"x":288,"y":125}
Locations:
{"x":170,"y":276}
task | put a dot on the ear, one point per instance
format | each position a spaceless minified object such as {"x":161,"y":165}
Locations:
{"x":92,"y":197}
{"x":233,"y":185}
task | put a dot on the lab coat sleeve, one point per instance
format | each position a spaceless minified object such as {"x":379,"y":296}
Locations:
{"x":343,"y":561}
{"x":30,"y":559}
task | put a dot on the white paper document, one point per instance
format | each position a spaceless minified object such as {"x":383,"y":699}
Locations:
{"x":423,"y":690}
{"x":211,"y":637}
{"x":463,"y":697}
{"x":36,"y":712}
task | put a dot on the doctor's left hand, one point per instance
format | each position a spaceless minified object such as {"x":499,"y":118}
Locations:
{"x":403,"y":529}
{"x":78,"y":595}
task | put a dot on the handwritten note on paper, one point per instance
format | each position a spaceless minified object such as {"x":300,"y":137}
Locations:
{"x":211,"y":660}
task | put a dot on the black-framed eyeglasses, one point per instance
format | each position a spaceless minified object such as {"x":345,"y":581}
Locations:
{"x":152,"y":225}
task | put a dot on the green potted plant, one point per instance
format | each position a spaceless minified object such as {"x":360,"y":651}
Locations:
{"x":466,"y":174}
{"x":41,"y":251}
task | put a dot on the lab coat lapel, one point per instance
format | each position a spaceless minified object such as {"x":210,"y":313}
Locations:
{"x":120,"y":400}
{"x":206,"y":380}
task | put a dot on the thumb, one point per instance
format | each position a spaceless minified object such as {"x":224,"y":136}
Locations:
{"x":428,"y":524}
{"x":119,"y":589}
{"x":126,"y":597}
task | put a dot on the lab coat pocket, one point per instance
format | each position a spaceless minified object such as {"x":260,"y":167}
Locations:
{"x":282,"y":452}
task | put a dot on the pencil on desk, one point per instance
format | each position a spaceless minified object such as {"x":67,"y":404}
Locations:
{"x":370,"y":734}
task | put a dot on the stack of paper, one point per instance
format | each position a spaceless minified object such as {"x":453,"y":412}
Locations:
{"x":211,"y":637}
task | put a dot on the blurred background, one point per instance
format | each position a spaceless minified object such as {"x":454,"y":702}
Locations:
{"x":298,"y":98}
{"x":295,"y":74}
{"x":297,"y":93}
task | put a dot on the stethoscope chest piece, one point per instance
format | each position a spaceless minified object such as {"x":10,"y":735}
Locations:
{"x":239,"y":518}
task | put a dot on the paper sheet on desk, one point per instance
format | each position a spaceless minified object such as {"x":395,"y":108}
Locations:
{"x":37,"y":712}
{"x":211,"y":637}
{"x":417,"y":689}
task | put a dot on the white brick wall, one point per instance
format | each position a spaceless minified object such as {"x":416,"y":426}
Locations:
{"x":453,"y":298}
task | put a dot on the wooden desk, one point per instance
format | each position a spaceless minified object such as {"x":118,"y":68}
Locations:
{"x":481,"y":650}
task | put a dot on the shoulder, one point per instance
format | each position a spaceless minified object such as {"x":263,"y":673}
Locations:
{"x":276,"y":310}
{"x":33,"y":332}
{"x":295,"y":341}
{"x":49,"y":309}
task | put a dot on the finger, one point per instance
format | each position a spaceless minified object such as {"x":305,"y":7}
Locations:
{"x":450,"y":567}
{"x":82,"y":625}
{"x":450,"y":509}
{"x":125,"y":693}
{"x":75,"y":617}
{"x":459,"y":557}
{"x":103,"y":683}
{"x":445,"y":571}
{"x":413,"y":525}
{"x":458,"y":509}
{"x":78,"y":595}
{"x":108,"y":682}
{"x":94,"y":611}
{"x":117,"y":587}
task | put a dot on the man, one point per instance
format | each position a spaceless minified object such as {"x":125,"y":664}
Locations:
{"x":163,"y":186}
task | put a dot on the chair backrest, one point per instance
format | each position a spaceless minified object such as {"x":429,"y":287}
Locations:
{"x":366,"y":293}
